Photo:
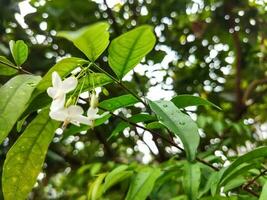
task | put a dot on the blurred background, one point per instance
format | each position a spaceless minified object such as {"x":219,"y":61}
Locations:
{"x":215,"y":49}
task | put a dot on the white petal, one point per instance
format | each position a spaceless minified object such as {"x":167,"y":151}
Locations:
{"x":52,"y":92}
{"x":83,"y":120}
{"x":75,"y":110}
{"x":59,"y":115}
{"x":56,"y":80}
{"x":92,"y":112}
{"x":58,"y":103}
{"x":69,"y":84}
{"x":76,"y":123}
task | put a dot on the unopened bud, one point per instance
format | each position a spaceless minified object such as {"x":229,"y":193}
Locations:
{"x":94,"y":100}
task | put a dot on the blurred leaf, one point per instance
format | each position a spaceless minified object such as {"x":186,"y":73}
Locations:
{"x":182,"y":101}
{"x":192,"y":180}
{"x":25,"y":159}
{"x":127,"y":50}
{"x":5,"y":68}
{"x":96,"y":188}
{"x":142,"y":184}
{"x":15,"y":95}
{"x":19,"y":51}
{"x":91,"y":40}
{"x":179,"y":123}
{"x":116,"y":175}
{"x":263,"y":195}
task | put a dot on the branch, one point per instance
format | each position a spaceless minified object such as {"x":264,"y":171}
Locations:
{"x":251,"y":88}
{"x":111,"y":16}
{"x":17,"y":68}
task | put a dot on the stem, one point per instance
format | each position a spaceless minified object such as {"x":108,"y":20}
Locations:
{"x":160,"y":136}
{"x":121,"y":85}
{"x":17,"y":68}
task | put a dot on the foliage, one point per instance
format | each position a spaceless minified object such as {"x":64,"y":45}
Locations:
{"x":204,"y":140}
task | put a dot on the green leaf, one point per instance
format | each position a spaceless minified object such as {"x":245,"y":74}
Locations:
{"x":155,"y":125}
{"x":96,"y":188}
{"x":263,"y":195}
{"x":25,"y":158}
{"x":63,"y":68}
{"x":179,"y":123}
{"x":246,"y":158}
{"x":142,"y":184}
{"x":182,"y":101}
{"x":118,"y":102}
{"x":127,"y":50}
{"x":15,"y":95}
{"x":5,"y":68}
{"x":135,"y":119}
{"x":234,"y":183}
{"x":117,"y":175}
{"x":91,"y":40}
{"x":93,"y":80}
{"x":192,"y":180}
{"x":19,"y":51}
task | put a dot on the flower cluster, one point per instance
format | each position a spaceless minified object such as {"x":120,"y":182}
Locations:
{"x":70,"y":113}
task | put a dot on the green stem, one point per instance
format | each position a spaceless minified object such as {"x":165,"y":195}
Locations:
{"x":121,"y":85}
{"x":17,"y":68}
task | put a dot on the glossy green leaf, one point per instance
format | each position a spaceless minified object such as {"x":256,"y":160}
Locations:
{"x":5,"y":68}
{"x":135,"y":119}
{"x":116,"y":175}
{"x":19,"y":51}
{"x":127,"y":50}
{"x":63,"y":68}
{"x":179,"y":123}
{"x":246,"y":158}
{"x":234,"y":183}
{"x":142,"y":184}
{"x":96,"y":188}
{"x":15,"y":95}
{"x":182,"y":101}
{"x":192,"y":179}
{"x":118,"y":102}
{"x":25,"y":159}
{"x":91,"y":40}
{"x":263,"y":195}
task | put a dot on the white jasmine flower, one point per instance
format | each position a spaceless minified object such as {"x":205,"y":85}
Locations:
{"x":72,"y":114}
{"x":92,"y":114}
{"x":60,"y":89}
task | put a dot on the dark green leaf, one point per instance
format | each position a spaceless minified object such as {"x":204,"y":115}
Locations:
{"x":179,"y":123}
{"x":182,"y":101}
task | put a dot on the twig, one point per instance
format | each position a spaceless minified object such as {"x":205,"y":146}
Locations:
{"x":17,"y":68}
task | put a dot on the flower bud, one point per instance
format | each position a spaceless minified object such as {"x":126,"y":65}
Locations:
{"x":94,"y":100}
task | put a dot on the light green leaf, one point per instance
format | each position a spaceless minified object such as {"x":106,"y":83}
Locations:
{"x":63,"y":68}
{"x":192,"y":180}
{"x":25,"y":158}
{"x":91,"y":40}
{"x":263,"y":195}
{"x":142,"y":184}
{"x":182,"y":101}
{"x":179,"y":123}
{"x":15,"y":95}
{"x":19,"y":51}
{"x":118,"y":102}
{"x":135,"y":119}
{"x":127,"y":50}
{"x":116,"y":175}
{"x":234,"y":183}
{"x":96,"y":188}
{"x":5,"y":68}
{"x":93,"y":80}
{"x":246,"y":158}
